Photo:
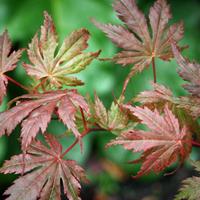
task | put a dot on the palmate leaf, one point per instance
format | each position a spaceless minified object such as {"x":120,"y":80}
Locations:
{"x":54,"y":66}
{"x":190,"y":186}
{"x":185,"y":108}
{"x":139,"y":45}
{"x":189,"y":71}
{"x":160,"y":94}
{"x":8,"y":61}
{"x":114,"y":119}
{"x":162,"y":145}
{"x":35,"y":111}
{"x":44,"y":170}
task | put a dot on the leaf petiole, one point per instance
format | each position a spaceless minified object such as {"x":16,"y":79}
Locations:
{"x":84,"y":133}
{"x":195,"y":144}
{"x":17,"y":83}
{"x":154,"y":70}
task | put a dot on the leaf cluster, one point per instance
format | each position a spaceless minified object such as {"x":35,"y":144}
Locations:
{"x":171,"y":126}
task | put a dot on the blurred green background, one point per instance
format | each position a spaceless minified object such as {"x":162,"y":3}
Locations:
{"x":107,"y":169}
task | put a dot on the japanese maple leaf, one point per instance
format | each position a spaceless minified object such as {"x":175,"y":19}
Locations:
{"x":189,"y":71}
{"x":35,"y":111}
{"x":159,"y":94}
{"x":8,"y":61}
{"x":186,"y":108}
{"x":52,"y":65}
{"x":114,"y":119}
{"x":139,"y":46}
{"x":44,"y":170}
{"x":190,"y":186}
{"x":162,"y":145}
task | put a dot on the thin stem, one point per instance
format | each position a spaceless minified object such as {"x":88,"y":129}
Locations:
{"x":40,"y":84}
{"x":154,"y":70}
{"x":70,"y":147}
{"x":127,"y":80}
{"x":84,"y":133}
{"x":196,"y":144}
{"x":17,"y":83}
{"x":83,"y":118}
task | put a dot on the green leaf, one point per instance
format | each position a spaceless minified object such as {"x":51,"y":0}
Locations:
{"x":190,"y":186}
{"x":52,"y":66}
{"x":115,"y":119}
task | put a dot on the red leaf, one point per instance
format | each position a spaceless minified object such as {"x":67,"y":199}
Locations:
{"x":37,"y":109}
{"x":8,"y":61}
{"x":138,"y":44}
{"x":162,"y":145}
{"x":189,"y":71}
{"x":158,"y":94}
{"x":45,"y":169}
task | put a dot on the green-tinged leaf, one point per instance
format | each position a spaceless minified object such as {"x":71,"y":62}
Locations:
{"x":190,"y":186}
{"x":115,"y":119}
{"x":118,"y":119}
{"x":53,"y":65}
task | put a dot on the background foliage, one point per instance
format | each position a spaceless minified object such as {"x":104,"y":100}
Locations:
{"x":22,"y":18}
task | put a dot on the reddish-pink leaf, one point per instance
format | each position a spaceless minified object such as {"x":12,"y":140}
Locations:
{"x":36,"y":121}
{"x":158,"y":94}
{"x":162,"y":145}
{"x":8,"y":61}
{"x":189,"y":71}
{"x":191,"y":104}
{"x":35,"y":111}
{"x":45,"y":169}
{"x":68,"y":115}
{"x":139,"y":45}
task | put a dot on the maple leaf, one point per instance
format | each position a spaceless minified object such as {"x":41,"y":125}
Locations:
{"x":140,"y":47}
{"x":8,"y":61}
{"x":114,"y":119}
{"x":44,"y":170}
{"x":159,"y":94}
{"x":162,"y":145}
{"x":54,"y":67}
{"x":190,"y":186}
{"x":185,"y":108}
{"x":35,"y":110}
{"x":191,"y":104}
{"x":189,"y":71}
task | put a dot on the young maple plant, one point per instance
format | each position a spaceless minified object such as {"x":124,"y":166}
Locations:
{"x":171,"y":122}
